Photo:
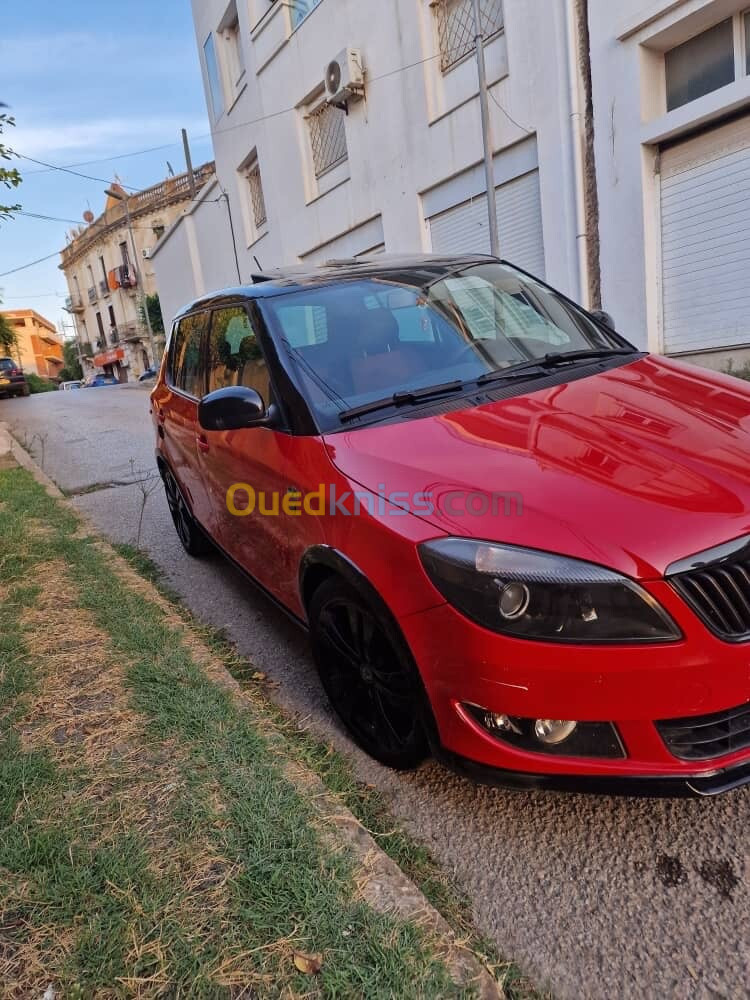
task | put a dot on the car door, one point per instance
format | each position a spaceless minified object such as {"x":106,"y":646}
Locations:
{"x":176,"y":409}
{"x":254,"y":457}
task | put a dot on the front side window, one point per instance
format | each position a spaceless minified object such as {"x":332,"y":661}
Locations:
{"x":356,"y":342}
{"x":214,"y":80}
{"x":234,"y":354}
{"x":701,"y":65}
{"x":185,"y":371}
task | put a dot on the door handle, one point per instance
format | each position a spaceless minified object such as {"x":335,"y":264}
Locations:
{"x":203,"y":444}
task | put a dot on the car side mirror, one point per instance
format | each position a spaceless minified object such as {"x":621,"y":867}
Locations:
{"x":604,"y":318}
{"x":232,"y":409}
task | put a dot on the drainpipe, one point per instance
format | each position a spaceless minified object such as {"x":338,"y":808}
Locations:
{"x":581,"y":109}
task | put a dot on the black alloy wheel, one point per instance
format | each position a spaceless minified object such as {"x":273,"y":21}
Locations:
{"x":372,"y":685}
{"x":188,"y":531}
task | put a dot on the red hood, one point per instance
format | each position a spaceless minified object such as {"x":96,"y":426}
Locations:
{"x":633,"y":468}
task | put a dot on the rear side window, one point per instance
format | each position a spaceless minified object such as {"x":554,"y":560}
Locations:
{"x":185,"y":367}
{"x":235,"y":356}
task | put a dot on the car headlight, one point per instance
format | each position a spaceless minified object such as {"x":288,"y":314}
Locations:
{"x":537,"y":595}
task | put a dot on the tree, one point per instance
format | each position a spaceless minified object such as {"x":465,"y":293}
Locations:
{"x":72,"y":364}
{"x":8,"y":342}
{"x":9,"y":176}
{"x":154,"y":314}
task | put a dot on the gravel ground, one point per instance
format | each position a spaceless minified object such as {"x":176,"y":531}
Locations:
{"x":593,"y":897}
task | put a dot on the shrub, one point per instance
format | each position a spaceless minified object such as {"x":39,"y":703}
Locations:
{"x":38,"y":384}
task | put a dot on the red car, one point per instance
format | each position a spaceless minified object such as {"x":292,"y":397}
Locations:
{"x":518,"y":542}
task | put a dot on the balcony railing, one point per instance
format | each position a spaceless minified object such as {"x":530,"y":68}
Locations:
{"x":126,"y":276}
{"x":92,"y":295}
{"x":74,"y":304}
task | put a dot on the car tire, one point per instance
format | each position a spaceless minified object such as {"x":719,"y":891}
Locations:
{"x":368,"y":675}
{"x":191,"y":535}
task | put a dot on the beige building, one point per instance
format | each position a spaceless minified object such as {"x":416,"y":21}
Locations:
{"x":39,"y":347}
{"x":106,"y":264}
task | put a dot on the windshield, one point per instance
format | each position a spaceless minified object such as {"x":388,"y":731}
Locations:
{"x":7,"y":364}
{"x":362,"y":340}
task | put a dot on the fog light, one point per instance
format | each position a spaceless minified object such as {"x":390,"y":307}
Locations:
{"x":514,"y":600}
{"x":553,"y":731}
{"x":502,"y":723}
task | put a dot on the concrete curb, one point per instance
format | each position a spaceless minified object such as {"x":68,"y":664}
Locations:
{"x":380,"y":881}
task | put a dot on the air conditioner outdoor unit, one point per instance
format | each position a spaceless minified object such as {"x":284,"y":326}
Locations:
{"x":146,"y":251}
{"x":345,"y":77}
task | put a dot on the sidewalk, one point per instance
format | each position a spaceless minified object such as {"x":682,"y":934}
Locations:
{"x":159,"y":834}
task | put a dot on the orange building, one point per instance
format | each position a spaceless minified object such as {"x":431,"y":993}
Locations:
{"x":39,"y":345}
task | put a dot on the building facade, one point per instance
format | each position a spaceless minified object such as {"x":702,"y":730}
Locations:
{"x":398,"y":165}
{"x":671,"y":86}
{"x":109,"y":274}
{"x":39,"y":347}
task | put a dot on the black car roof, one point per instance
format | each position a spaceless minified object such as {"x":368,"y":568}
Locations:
{"x":410,"y":269}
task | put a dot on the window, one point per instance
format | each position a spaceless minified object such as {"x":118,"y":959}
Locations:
{"x":303,"y":326}
{"x":701,"y":65}
{"x":214,"y":80}
{"x":257,"y":201}
{"x":235,"y":357}
{"x":300,"y":9}
{"x":456,"y":29}
{"x":185,"y":367}
{"x":124,"y":255}
{"x":104,"y":269}
{"x":100,"y":328}
{"x":327,"y":137}
{"x":112,"y":320}
{"x":235,"y":55}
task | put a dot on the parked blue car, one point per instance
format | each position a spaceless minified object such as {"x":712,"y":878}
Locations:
{"x":94,"y":381}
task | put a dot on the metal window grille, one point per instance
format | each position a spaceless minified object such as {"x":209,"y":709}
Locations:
{"x":456,"y":32}
{"x":256,"y":195}
{"x":328,"y":137}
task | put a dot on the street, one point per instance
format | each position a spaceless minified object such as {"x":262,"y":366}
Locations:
{"x":593,"y":897}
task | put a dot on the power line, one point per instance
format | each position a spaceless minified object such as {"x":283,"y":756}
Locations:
{"x":119,"y":156}
{"x":507,"y":114}
{"x":75,"y":173}
{"x":23,"y":267}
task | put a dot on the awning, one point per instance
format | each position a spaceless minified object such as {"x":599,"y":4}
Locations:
{"x":109,"y":357}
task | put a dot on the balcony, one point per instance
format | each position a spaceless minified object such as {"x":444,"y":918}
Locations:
{"x":74,"y":304}
{"x":92,"y":295}
{"x":103,"y":288}
{"x":126,"y":276}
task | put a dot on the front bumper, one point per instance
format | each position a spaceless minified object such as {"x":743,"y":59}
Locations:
{"x":632,"y":686}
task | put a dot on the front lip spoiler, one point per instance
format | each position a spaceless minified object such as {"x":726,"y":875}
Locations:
{"x":703,"y":785}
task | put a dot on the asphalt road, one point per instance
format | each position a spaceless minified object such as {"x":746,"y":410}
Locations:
{"x":593,"y":897}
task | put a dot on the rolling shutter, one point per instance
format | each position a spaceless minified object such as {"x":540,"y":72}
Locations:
{"x":464,"y":228}
{"x":705,"y":221}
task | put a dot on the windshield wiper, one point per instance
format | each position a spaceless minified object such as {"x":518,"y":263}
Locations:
{"x":405,"y":398}
{"x":539,"y":366}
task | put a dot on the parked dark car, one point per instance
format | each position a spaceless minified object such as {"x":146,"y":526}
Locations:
{"x":12,"y":379}
{"x":517,"y":541}
{"x":95,"y":381}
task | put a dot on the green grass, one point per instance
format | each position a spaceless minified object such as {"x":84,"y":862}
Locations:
{"x":363,"y":800}
{"x":181,"y":862}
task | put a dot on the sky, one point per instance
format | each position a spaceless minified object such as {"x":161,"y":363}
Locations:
{"x":87,"y":82}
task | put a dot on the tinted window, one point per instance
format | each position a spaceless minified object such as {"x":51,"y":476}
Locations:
{"x":362,"y":340}
{"x":6,"y":364}
{"x":700,"y":65}
{"x":235,"y":357}
{"x":186,"y":370}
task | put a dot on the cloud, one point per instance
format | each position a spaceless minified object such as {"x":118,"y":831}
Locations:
{"x":101,"y":136}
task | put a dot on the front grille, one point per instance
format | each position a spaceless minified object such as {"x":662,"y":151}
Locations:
{"x":703,"y":737}
{"x":719,"y":593}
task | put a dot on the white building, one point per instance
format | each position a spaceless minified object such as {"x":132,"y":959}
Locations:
{"x":672,"y":101}
{"x":400,"y":168}
{"x":647,"y":197}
